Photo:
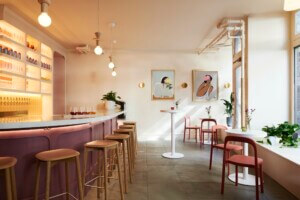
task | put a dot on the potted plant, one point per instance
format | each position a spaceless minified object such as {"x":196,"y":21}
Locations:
{"x":286,"y":132}
{"x":229,"y":109}
{"x":110,"y":99}
{"x":208,"y":110}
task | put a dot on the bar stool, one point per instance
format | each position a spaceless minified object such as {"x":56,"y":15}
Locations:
{"x":7,"y":165}
{"x":134,"y":136}
{"x":124,"y":140}
{"x":51,"y":158}
{"x":129,"y":132}
{"x":102,"y":145}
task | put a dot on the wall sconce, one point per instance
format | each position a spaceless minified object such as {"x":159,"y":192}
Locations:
{"x":141,"y":85}
{"x":184,"y":85}
{"x":227,"y":85}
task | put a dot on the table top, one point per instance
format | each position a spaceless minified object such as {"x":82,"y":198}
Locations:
{"x":248,"y":133}
{"x":170,"y":111}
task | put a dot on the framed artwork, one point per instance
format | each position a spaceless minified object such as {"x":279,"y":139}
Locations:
{"x":162,"y":84}
{"x":205,"y":85}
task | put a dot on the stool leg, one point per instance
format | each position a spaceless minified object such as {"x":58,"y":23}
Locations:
{"x":13,"y":183}
{"x":37,"y":180}
{"x":119,"y":174}
{"x":105,"y":174}
{"x":85,"y":155}
{"x":79,"y":178}
{"x":132,"y":151}
{"x":129,"y":160}
{"x":99,"y":174}
{"x":48,"y":180}
{"x":124,"y":163}
{"x":8,"y":184}
{"x":67,"y":179}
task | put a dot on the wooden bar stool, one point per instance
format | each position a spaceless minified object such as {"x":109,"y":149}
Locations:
{"x":7,"y":166}
{"x":102,"y":145}
{"x":129,"y":132}
{"x":124,"y":140}
{"x":133,"y":123}
{"x":51,"y":158}
{"x":134,"y":136}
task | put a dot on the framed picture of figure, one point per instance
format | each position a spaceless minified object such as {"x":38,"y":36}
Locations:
{"x":205,"y":85}
{"x":162,"y":84}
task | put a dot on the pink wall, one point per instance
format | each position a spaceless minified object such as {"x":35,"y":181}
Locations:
{"x":59,"y":86}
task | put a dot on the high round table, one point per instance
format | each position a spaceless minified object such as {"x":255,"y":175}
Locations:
{"x":245,"y":178}
{"x":173,"y":153}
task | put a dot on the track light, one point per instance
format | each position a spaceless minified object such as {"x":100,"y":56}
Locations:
{"x":44,"y":19}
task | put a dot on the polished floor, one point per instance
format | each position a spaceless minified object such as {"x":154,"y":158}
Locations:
{"x":157,"y":178}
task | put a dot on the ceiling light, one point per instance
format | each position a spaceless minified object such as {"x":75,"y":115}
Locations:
{"x":111,"y":65}
{"x":44,"y":19}
{"x":114,"y":73}
{"x":290,"y":5}
{"x":98,"y":50}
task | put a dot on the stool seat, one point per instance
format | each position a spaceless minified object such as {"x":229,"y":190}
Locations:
{"x":57,"y":154}
{"x":129,"y":123}
{"x":7,"y":162}
{"x":123,"y":130}
{"x":101,"y":144}
{"x":117,"y":137}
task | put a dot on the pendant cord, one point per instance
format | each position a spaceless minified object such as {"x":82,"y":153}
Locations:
{"x":98,"y":15}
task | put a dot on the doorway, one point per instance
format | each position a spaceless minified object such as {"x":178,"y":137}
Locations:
{"x":59,"y":84}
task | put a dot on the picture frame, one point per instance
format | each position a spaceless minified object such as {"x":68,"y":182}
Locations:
{"x":162,"y":84}
{"x":205,"y":85}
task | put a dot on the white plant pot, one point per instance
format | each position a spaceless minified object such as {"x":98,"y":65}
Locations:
{"x":274,"y":140}
{"x":110,"y":105}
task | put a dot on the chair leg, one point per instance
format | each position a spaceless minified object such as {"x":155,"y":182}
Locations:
{"x":236,"y":175}
{"x":261,"y":179}
{"x":256,"y":183}
{"x":79,"y":177}
{"x":223,"y":177}
{"x":37,"y":180}
{"x":13,"y":183}
{"x":211,"y":156}
{"x":99,"y":173}
{"x":48,"y":180}
{"x":8,"y":184}
{"x":196,"y":133}
{"x":119,"y":175}
{"x":105,"y":174}
{"x":189,"y":134}
{"x":85,"y":156}
{"x":125,"y":170}
{"x":184,"y":131}
{"x":129,"y":161}
{"x":67,"y":179}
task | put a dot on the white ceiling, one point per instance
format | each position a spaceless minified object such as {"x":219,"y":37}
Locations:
{"x":141,"y":24}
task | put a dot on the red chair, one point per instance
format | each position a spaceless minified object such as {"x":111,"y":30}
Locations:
{"x":243,"y":161}
{"x":187,"y":126}
{"x":217,"y":129}
{"x":207,"y":130}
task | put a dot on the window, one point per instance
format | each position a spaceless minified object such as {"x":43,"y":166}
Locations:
{"x":297,"y":22}
{"x":297,"y":84}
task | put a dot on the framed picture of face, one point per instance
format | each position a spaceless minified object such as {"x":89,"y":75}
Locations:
{"x":205,"y":85}
{"x":162,"y":84}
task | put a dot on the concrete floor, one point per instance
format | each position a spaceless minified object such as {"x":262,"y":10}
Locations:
{"x":157,"y":178}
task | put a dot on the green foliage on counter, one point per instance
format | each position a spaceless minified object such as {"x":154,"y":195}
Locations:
{"x":228,"y":105}
{"x":111,"y":96}
{"x":286,"y":132}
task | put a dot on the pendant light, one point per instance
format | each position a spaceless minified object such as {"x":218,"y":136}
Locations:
{"x":111,"y":65}
{"x":290,"y":5}
{"x":114,"y":73}
{"x":44,"y":19}
{"x":98,"y":50}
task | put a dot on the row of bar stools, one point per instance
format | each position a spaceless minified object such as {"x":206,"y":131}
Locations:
{"x":124,"y":141}
{"x":7,"y":165}
{"x":105,"y":146}
{"x":51,"y":158}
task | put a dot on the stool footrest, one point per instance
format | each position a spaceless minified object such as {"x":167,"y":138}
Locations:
{"x":65,"y":193}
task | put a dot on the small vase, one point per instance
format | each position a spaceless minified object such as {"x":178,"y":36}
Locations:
{"x":110,"y":105}
{"x":229,"y":121}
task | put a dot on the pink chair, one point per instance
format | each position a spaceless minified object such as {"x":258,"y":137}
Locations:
{"x":217,"y":129}
{"x":187,"y":126}
{"x":207,"y":130}
{"x":243,"y":161}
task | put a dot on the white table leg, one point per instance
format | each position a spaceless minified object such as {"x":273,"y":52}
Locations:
{"x":173,"y":153}
{"x":244,"y":178}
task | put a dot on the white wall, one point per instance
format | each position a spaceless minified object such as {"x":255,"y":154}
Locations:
{"x":269,"y":69}
{"x":88,"y":78}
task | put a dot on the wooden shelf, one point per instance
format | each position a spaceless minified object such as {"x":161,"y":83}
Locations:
{"x":12,"y":74}
{"x":11,"y":57}
{"x":7,"y":39}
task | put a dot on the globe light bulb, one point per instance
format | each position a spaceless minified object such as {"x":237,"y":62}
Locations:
{"x":114,"y":73}
{"x":98,"y":50}
{"x":44,"y":19}
{"x":111,"y":65}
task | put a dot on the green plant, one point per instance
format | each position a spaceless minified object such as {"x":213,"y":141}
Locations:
{"x":286,"y":132}
{"x":111,"y":96}
{"x":228,"y":105}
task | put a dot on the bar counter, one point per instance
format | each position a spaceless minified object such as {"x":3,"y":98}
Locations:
{"x":25,"y":139}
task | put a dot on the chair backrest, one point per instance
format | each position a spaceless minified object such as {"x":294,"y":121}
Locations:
{"x":216,"y":129}
{"x":208,"y":120}
{"x":187,"y":121}
{"x":242,"y":139}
